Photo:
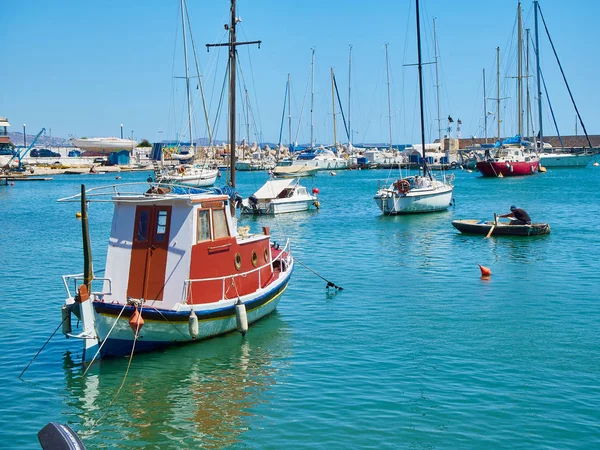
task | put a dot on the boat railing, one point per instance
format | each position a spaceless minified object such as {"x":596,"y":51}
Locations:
{"x":152,"y":192}
{"x":284,"y":260}
{"x":78,"y":279}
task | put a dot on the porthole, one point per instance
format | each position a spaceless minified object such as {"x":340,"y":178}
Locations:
{"x":254,"y":258}
{"x":266,"y":255}
{"x":238,"y":261}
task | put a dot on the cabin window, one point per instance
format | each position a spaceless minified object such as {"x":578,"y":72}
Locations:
{"x":161,"y":226}
{"x":220,"y":227}
{"x":141,"y":234}
{"x":203,"y":226}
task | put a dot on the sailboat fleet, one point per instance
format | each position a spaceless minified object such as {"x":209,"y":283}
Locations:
{"x":179,"y":268}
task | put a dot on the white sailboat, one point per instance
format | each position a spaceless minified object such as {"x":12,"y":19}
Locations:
{"x":195,"y":174}
{"x":420,"y":193}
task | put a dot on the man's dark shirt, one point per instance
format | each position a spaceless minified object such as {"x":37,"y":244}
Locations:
{"x":522,"y":216}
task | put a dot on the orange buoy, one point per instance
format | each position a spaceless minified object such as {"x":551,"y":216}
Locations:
{"x":485,"y":271}
{"x":136,"y":322}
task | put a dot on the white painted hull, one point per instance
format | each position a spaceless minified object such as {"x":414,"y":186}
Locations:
{"x":422,"y":200}
{"x":203,"y":178}
{"x":4,"y":160}
{"x":104,"y":145}
{"x":565,"y":160}
{"x":281,"y":206}
{"x":324,"y":164}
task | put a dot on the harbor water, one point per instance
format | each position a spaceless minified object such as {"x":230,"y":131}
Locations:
{"x":416,"y":352}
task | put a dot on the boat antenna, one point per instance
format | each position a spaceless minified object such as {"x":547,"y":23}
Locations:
{"x":420,"y":67}
{"x":232,"y":45}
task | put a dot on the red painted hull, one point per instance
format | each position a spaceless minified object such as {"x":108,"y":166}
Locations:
{"x":507,"y":169}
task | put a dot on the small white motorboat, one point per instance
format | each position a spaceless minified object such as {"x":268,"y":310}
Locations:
{"x":280,"y":196}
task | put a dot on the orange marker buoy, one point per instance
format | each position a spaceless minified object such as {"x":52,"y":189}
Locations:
{"x":485,"y":271}
{"x":136,"y":322}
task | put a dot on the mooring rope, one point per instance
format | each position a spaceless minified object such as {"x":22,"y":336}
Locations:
{"x":43,"y":346}
{"x":107,"y":409}
{"x":104,"y":341}
{"x":329,"y":283}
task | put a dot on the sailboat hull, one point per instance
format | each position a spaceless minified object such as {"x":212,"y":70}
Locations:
{"x":565,"y":159}
{"x":198,"y":178}
{"x":507,"y":168}
{"x":416,"y":201}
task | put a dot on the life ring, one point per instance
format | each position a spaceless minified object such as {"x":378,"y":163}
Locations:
{"x":181,"y":169}
{"x":403,"y":186}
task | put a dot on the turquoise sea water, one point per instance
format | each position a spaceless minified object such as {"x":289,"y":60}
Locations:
{"x":416,"y":352}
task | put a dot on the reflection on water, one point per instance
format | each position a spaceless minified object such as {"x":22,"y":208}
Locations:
{"x":198,"y":395}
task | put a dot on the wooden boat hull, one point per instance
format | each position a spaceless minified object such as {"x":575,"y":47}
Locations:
{"x":501,"y":229}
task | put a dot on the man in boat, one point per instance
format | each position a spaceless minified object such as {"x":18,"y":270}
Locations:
{"x":518,"y":216}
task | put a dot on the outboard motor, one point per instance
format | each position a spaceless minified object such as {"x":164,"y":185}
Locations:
{"x":55,"y":436}
{"x":253,"y":201}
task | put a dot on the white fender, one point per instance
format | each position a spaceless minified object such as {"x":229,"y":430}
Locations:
{"x":241,"y":317}
{"x":193,"y":325}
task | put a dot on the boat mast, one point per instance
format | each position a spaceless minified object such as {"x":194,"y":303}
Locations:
{"x":519,"y":70}
{"x":187,"y":77}
{"x":420,"y":67}
{"x":539,"y":85}
{"x":387,"y":68}
{"x":349,"y":90}
{"x":484,"y":110}
{"x":333,"y":109}
{"x":527,"y":99}
{"x":437,"y":83}
{"x":312,"y":98}
{"x":232,"y":44}
{"x":289,"y":110}
{"x":498,"y":97}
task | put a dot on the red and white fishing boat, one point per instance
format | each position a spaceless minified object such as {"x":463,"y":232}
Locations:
{"x":177,"y":267}
{"x":177,"y":270}
{"x":510,"y":159}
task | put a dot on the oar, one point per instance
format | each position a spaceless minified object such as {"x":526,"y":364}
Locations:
{"x":493,"y":226}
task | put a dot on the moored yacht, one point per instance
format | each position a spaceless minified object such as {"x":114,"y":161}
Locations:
{"x":511,"y":158}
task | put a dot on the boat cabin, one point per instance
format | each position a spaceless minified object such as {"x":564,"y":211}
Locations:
{"x":169,"y":250}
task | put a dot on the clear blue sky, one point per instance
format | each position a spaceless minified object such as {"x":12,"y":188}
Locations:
{"x":83,"y":68}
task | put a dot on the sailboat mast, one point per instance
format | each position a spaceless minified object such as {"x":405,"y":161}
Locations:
{"x":498,"y":97}
{"x":247,"y":116}
{"x":289,"y":110}
{"x":312,"y":98}
{"x":187,"y":75}
{"x":232,"y":70}
{"x":387,"y":68}
{"x":333,"y":108}
{"x":539,"y":85}
{"x":519,"y":70}
{"x":484,"y":110}
{"x":349,"y":91}
{"x":527,"y":99}
{"x":420,"y":67}
{"x":437,"y":83}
